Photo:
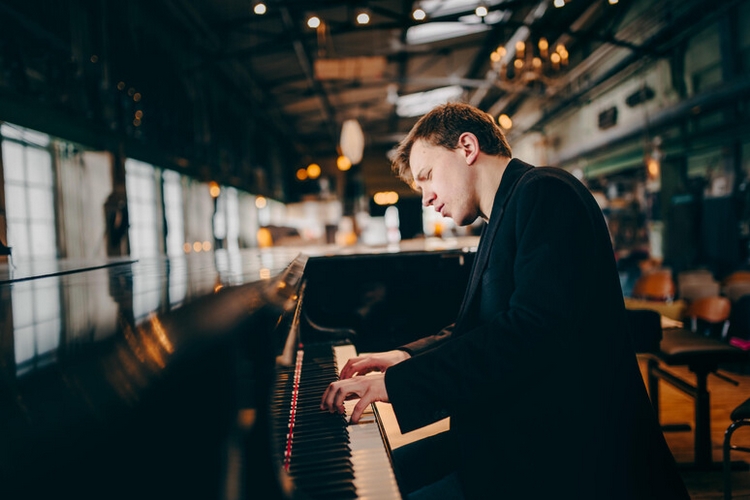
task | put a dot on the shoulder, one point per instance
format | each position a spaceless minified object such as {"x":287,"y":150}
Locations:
{"x":551,"y":180}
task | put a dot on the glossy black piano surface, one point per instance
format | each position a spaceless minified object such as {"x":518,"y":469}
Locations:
{"x":154,"y":378}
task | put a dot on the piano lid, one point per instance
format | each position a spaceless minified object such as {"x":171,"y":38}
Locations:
{"x":124,"y":380}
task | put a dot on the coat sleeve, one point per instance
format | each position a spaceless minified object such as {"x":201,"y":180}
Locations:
{"x":542,"y":267}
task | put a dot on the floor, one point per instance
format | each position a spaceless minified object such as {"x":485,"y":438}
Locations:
{"x":676,"y":408}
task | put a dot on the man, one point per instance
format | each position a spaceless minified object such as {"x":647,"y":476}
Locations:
{"x":538,"y":374}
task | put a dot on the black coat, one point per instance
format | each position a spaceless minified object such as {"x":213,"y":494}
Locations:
{"x":539,"y":374}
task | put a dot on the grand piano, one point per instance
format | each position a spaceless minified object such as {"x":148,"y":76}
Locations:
{"x":200,"y":376}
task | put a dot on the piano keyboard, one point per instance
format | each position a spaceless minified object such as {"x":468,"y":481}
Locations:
{"x":325,"y":455}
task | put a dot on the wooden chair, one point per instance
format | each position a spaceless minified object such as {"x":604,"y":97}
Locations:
{"x":691,"y":291}
{"x":695,"y":276}
{"x":656,"y":285}
{"x":737,"y":276}
{"x":709,"y":313}
{"x":736,"y":289}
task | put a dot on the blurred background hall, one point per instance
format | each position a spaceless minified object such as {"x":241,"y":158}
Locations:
{"x":242,"y":133}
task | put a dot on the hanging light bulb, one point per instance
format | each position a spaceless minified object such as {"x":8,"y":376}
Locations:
{"x":259,"y":8}
{"x":313,"y":22}
{"x":352,"y":141}
{"x":343,"y":163}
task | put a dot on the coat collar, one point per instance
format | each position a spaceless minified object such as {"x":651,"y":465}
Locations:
{"x":515,"y":169}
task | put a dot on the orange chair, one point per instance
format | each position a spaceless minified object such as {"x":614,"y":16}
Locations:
{"x":657,"y":285}
{"x":710,"y":312}
{"x":737,"y":276}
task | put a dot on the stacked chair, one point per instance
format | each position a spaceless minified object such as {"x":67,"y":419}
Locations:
{"x":701,"y":346}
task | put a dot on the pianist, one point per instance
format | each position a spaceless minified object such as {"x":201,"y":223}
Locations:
{"x":538,"y":373}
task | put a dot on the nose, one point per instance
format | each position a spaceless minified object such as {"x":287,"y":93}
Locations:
{"x":428,"y":198}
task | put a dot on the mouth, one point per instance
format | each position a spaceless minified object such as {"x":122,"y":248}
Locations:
{"x":440,"y":210}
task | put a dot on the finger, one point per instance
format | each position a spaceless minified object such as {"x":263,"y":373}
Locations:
{"x":341,"y":395}
{"x":358,"y":410}
{"x":351,"y":368}
{"x":330,"y":398}
{"x":324,"y":399}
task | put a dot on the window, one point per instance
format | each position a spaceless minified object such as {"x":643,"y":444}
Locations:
{"x":29,"y":193}
{"x":173,"y":213}
{"x":140,"y":182}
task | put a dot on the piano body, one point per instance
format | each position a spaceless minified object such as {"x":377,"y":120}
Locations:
{"x":200,"y":377}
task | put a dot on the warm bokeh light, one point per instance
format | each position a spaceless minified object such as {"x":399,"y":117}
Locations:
{"x":265,"y":239}
{"x":313,"y":170}
{"x":418,"y":15}
{"x":385,"y":198}
{"x":343,"y":163}
{"x":265,"y":273}
{"x":652,"y":165}
{"x":313,"y":22}
{"x":260,"y":202}
{"x":187,"y":247}
{"x":613,"y":2}
{"x":505,"y":122}
{"x":260,"y":8}
{"x":301,"y":174}
{"x":206,"y":246}
{"x":213,"y":189}
{"x":197,"y":246}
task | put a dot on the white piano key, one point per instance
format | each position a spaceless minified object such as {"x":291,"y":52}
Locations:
{"x":373,"y":472}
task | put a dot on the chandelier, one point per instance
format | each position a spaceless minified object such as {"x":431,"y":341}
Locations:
{"x":528,"y":66}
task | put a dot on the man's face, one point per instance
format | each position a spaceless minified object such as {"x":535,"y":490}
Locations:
{"x":445,"y":180}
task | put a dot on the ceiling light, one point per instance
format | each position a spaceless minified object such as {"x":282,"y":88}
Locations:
{"x":418,"y":15}
{"x":352,"y":141}
{"x":422,"y":102}
{"x":343,"y":163}
{"x":313,"y":22}
{"x":559,"y":3}
{"x":613,"y":2}
{"x":363,"y":18}
{"x":313,"y":171}
{"x":259,"y":8}
{"x":433,"y":32}
{"x":481,"y":10}
{"x":505,"y":122}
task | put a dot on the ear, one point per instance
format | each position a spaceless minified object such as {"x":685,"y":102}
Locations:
{"x":469,"y":145}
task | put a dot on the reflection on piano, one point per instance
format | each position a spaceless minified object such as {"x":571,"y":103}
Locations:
{"x":201,"y":378}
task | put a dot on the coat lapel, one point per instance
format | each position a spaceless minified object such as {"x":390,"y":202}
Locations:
{"x":513,"y":173}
